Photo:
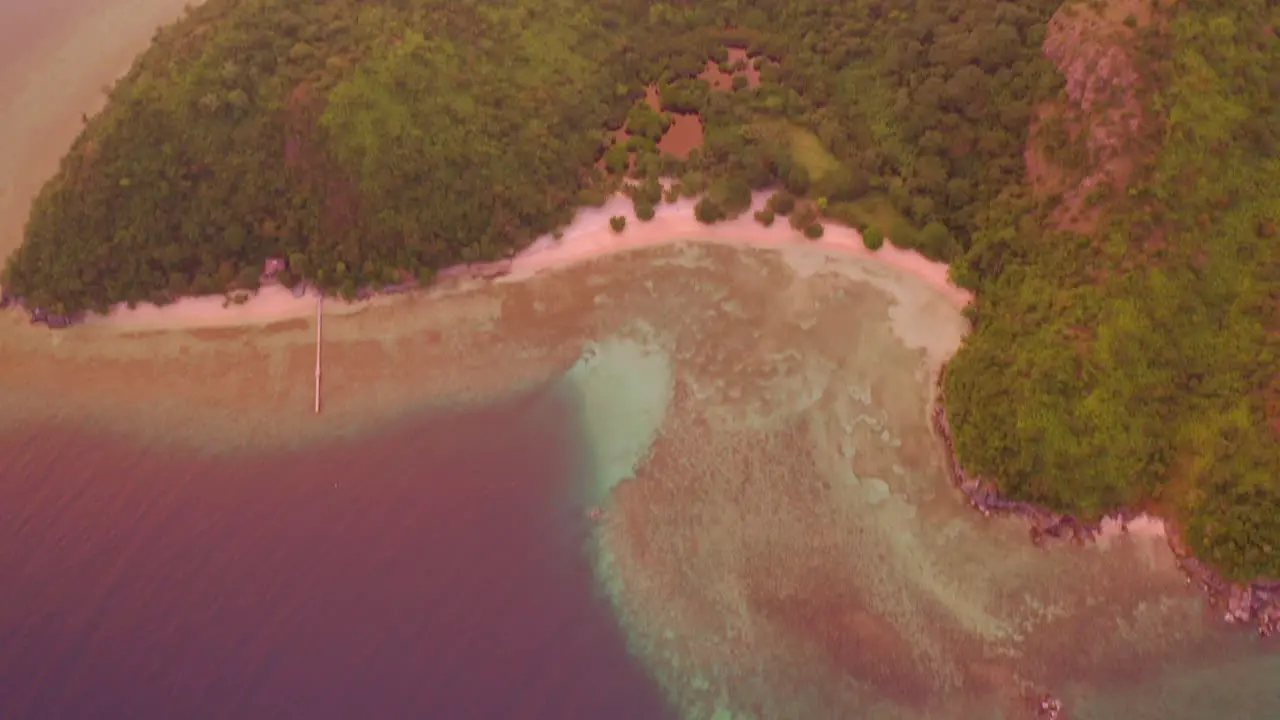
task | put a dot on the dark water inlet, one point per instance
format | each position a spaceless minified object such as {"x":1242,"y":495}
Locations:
{"x":435,"y":571}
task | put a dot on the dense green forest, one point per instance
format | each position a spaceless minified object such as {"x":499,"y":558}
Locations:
{"x":1125,"y":355}
{"x":364,"y":140}
{"x":1139,"y":363}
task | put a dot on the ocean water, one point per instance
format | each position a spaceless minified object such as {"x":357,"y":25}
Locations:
{"x":775,"y":538}
{"x":433,"y":570}
{"x":775,"y":535}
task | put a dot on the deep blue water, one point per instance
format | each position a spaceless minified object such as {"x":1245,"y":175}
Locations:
{"x":435,"y":570}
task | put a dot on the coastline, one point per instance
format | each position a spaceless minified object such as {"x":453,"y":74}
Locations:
{"x":61,"y":77}
{"x":166,"y":358}
{"x":1255,"y":603}
{"x":587,"y":238}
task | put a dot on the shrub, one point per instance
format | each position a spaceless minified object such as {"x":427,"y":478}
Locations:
{"x":804,"y":215}
{"x":617,"y":222}
{"x":707,"y":212}
{"x":782,"y":202}
{"x":797,"y":180}
{"x":814,"y":231}
{"x":903,"y":234}
{"x":935,"y":242}
{"x":873,"y":238}
{"x":644,"y":210}
{"x":617,"y":158}
{"x":764,"y":217}
{"x":732,"y":195}
{"x":249,"y":277}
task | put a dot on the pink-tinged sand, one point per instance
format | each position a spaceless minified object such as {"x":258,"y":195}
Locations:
{"x":587,"y":238}
{"x":270,"y":304}
{"x":590,"y":237}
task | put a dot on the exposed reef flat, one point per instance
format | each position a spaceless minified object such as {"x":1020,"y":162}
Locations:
{"x":789,"y":545}
{"x":1254,"y":603}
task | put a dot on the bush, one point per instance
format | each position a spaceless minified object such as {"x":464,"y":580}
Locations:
{"x":249,"y":278}
{"x":873,"y":238}
{"x":732,"y":195}
{"x":707,"y":211}
{"x":617,"y":222}
{"x":804,"y":215}
{"x":903,"y":234}
{"x":692,"y":183}
{"x":814,"y":231}
{"x":591,"y":197}
{"x":649,"y":192}
{"x":644,"y":210}
{"x":843,"y":185}
{"x":617,"y":158}
{"x":797,"y":180}
{"x":782,"y":202}
{"x":935,"y":242}
{"x":764,"y":217}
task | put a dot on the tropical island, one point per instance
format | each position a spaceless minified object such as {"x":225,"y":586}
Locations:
{"x":1100,"y":175}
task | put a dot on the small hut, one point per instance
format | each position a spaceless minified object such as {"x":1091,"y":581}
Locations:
{"x":272,"y":267}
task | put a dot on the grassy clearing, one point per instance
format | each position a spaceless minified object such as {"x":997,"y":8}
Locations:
{"x":808,"y":150}
{"x":804,"y":146}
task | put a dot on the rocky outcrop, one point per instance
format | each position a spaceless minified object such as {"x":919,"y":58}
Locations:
{"x":1100,"y":107}
{"x":1256,"y":604}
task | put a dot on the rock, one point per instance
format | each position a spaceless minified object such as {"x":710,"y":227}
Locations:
{"x":1050,"y":708}
{"x":1255,"y":603}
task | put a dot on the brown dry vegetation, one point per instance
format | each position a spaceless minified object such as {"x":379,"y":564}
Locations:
{"x":1100,"y":115}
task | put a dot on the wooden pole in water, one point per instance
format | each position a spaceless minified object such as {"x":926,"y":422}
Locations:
{"x":319,"y":323}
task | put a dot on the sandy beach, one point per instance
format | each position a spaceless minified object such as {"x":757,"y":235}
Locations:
{"x":586,"y":239}
{"x":59,"y":74}
{"x":117,"y":368}
{"x":590,"y":237}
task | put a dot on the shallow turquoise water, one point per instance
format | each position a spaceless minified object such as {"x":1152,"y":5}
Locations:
{"x":778,"y":540}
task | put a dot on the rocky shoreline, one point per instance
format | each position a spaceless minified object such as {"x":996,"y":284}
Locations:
{"x":1256,"y":603}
